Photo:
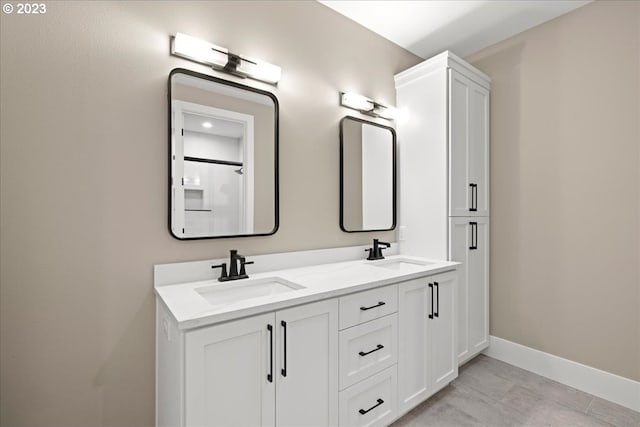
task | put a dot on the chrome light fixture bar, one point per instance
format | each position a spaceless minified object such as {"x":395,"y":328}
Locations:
{"x":368,"y":106}
{"x":219,"y":58}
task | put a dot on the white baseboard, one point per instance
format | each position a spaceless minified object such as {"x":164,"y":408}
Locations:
{"x":605,"y":385}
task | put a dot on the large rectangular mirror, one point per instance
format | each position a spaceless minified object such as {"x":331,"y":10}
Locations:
{"x":223,"y":158}
{"x":367,"y":176}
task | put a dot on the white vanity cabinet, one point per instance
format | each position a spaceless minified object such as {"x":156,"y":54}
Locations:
{"x":444,"y":180}
{"x":427,"y":338}
{"x":377,"y":344}
{"x":273,"y":369}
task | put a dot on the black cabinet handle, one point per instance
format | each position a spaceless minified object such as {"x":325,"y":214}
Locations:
{"x":378,"y":347}
{"x":475,"y":232}
{"x":380,"y":303}
{"x":474,"y":197}
{"x":363,"y":411}
{"x":435,"y":284}
{"x":474,"y":235}
{"x":284,"y":345}
{"x":270,"y":375}
{"x":431,"y":314}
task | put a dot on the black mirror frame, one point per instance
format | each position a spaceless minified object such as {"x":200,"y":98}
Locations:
{"x":394,"y":167}
{"x":276,"y":144}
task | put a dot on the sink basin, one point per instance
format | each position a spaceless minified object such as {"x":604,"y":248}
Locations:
{"x":401,"y":264}
{"x":242,"y":290}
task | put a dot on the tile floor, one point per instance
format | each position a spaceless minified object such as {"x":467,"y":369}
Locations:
{"x":488,"y":392}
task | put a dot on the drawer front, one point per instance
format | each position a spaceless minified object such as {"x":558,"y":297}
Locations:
{"x":368,"y":305}
{"x":375,"y":396}
{"x":367,"y":349}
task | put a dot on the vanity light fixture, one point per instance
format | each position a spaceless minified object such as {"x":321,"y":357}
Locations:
{"x":207,"y":125}
{"x":368,"y":106}
{"x":219,"y":58}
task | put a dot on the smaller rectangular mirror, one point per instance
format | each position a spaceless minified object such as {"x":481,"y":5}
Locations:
{"x":367,"y":176}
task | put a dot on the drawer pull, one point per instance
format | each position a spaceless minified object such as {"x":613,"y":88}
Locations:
{"x":379,"y":304}
{"x":380,"y":402}
{"x":378,"y":347}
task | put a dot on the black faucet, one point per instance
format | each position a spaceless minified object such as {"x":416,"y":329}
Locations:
{"x":376,"y":251}
{"x":234,"y":274}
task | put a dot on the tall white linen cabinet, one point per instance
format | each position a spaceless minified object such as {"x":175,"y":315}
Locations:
{"x":444,"y":181}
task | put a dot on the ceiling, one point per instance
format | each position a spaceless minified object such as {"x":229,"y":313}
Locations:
{"x":429,"y":27}
{"x":215,"y":126}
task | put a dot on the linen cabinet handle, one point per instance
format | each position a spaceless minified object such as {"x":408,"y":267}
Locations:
{"x":474,"y":197}
{"x":270,"y":375}
{"x":431,"y":287}
{"x":284,"y":346}
{"x":474,"y":236}
{"x":364,"y":411}
{"x":436,"y":285}
{"x":379,"y":304}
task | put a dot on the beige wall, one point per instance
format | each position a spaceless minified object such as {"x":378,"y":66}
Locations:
{"x":84,"y":182}
{"x":565,"y":186}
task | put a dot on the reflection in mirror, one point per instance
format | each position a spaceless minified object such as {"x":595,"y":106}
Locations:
{"x":367,"y":176}
{"x":223,"y":159}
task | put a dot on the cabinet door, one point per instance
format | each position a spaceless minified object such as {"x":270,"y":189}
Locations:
{"x":460,"y":191}
{"x":442,"y":330}
{"x":479,"y":148}
{"x":307,"y":368}
{"x":459,"y":243}
{"x":413,"y":374}
{"x":468,"y":147}
{"x":469,"y":245}
{"x":226,"y":369}
{"x":478,"y":287}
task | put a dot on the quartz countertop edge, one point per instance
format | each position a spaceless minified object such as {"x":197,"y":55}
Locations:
{"x":190,"y":310}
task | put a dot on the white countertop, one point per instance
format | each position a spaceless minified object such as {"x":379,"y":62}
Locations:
{"x":191,"y":310}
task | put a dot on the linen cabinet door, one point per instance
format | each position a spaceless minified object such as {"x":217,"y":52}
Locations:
{"x":307,"y":368}
{"x":479,"y":149}
{"x":469,"y":245}
{"x":478,"y":287}
{"x":460,"y":239}
{"x":442,"y":330}
{"x":460,"y":188}
{"x":413,"y":351}
{"x":227,"y":370}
